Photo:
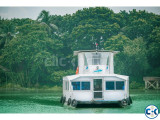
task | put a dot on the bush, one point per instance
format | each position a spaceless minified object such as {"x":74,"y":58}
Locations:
{"x":136,"y":85}
{"x":45,"y":87}
{"x":57,"y":76}
{"x":12,"y":85}
{"x":56,"y":88}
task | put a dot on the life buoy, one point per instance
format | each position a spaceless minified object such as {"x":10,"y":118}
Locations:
{"x":64,"y":100}
{"x":74,"y":103}
{"x":69,"y":101}
{"x":77,"y":70}
{"x":123,"y":103}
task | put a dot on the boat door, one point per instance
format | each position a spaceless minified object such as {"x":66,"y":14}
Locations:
{"x":97,"y":89}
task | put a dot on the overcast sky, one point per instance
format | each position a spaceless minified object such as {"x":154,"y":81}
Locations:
{"x":33,"y":12}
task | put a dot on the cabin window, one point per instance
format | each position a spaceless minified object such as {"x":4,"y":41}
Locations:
{"x":96,"y":58}
{"x":85,"y":85}
{"x":119,"y":85}
{"x":76,"y":85}
{"x":99,"y":58}
{"x":66,"y":85}
{"x":110,"y":85}
{"x":85,"y":61}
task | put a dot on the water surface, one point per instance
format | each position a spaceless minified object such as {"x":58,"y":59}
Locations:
{"x":48,"y":102}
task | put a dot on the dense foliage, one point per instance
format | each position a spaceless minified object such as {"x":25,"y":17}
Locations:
{"x":30,"y":49}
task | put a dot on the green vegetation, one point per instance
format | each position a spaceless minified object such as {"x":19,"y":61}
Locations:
{"x":27,"y":47}
{"x":17,"y":87}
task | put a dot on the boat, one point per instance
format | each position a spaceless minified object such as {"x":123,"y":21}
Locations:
{"x":95,"y":81}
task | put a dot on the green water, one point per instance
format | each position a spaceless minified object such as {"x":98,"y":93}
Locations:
{"x":48,"y":102}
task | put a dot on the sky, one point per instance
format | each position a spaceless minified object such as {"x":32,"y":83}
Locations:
{"x":33,"y":12}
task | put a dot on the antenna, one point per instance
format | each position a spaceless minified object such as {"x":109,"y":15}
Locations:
{"x":96,"y":47}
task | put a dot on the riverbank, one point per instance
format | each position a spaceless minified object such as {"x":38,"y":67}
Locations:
{"x":13,"y":87}
{"x":55,"y":88}
{"x":17,"y":87}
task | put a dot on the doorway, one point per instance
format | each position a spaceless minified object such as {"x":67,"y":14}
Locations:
{"x":97,"y":88}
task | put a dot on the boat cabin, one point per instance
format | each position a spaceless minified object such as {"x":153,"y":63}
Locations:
{"x":95,"y":81}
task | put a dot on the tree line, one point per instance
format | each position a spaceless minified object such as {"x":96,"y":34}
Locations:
{"x":26,"y":44}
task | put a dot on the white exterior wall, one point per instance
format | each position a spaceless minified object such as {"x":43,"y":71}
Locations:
{"x":81,"y":62}
{"x":83,"y":95}
{"x":88,"y":95}
{"x":114,"y":95}
{"x":66,"y":93}
{"x":127,"y":87}
{"x":111,"y":65}
{"x":91,"y":68}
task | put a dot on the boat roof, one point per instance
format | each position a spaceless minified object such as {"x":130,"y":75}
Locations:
{"x":80,"y":51}
{"x":72,"y":77}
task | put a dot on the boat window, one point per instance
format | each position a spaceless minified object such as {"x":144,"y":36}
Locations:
{"x":85,"y":86}
{"x":85,"y":61}
{"x":66,"y":85}
{"x":119,"y":85}
{"x":96,"y":58}
{"x":108,"y":60}
{"x":110,"y":85}
{"x":76,"y":85}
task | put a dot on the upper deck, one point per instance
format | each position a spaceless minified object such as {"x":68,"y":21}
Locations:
{"x":95,"y":61}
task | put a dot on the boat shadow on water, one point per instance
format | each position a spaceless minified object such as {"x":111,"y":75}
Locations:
{"x":113,"y":105}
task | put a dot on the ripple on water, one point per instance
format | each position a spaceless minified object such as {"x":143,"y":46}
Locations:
{"x":48,"y":102}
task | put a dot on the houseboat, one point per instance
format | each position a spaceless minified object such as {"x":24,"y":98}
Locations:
{"x":95,"y":81}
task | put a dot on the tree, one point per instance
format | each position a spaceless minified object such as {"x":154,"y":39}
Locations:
{"x":7,"y":32}
{"x":133,"y":60}
{"x":25,"y":54}
{"x":116,"y":43}
{"x":93,"y":25}
{"x":57,"y":76}
{"x":137,"y":28}
{"x":44,"y":18}
{"x":154,"y":48}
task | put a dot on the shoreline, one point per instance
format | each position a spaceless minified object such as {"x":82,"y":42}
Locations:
{"x":55,"y":88}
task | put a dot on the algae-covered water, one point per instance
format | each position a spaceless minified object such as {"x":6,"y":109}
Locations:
{"x":48,"y":102}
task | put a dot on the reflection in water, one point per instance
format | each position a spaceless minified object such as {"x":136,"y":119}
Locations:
{"x":98,"y":106}
{"x":48,"y":102}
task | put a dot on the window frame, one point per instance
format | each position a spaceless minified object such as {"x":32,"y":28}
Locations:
{"x":66,"y":85}
{"x":96,"y":58}
{"x":110,"y":81}
{"x":116,"y":85}
{"x":81,"y":85}
{"x":89,"y":85}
